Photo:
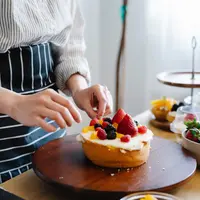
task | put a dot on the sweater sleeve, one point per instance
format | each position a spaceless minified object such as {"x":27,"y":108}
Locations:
{"x":70,"y":58}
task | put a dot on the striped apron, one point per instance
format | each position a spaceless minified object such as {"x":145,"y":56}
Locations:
{"x":25,"y":70}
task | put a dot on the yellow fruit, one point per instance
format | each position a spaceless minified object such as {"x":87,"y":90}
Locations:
{"x":119,"y":135}
{"x":148,"y":197}
{"x":91,"y":128}
{"x":115,"y":125}
{"x":87,"y":128}
{"x":101,"y":121}
{"x":94,"y":136}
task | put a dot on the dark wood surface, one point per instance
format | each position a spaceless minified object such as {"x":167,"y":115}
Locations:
{"x":165,"y":125}
{"x":62,"y":163}
{"x":180,"y":79}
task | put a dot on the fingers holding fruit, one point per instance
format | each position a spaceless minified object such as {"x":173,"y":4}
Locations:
{"x":31,"y":110}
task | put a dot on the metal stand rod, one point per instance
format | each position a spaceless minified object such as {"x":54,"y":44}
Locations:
{"x":194,"y":44}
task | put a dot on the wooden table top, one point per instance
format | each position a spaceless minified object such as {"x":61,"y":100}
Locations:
{"x":30,"y":187}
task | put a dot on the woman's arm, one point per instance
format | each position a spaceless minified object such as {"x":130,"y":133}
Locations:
{"x":7,"y":99}
{"x":73,"y":74}
{"x":31,"y":110}
{"x":70,"y":59}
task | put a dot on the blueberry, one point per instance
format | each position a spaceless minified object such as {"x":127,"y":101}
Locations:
{"x":108,"y":120}
{"x":174,"y":107}
{"x":111,"y":135}
{"x":180,"y":104}
{"x":136,"y":123}
{"x":97,"y":125}
{"x":109,"y":127}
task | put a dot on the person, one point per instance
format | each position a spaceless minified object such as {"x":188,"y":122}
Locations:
{"x":41,"y":52}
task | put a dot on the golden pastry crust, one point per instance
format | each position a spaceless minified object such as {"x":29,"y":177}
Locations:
{"x":105,"y":156}
{"x":160,"y":115}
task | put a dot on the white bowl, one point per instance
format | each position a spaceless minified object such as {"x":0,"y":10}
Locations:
{"x":158,"y":195}
{"x":193,"y":147}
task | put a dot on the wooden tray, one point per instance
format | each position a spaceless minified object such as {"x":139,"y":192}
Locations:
{"x":165,"y":125}
{"x":62,"y":163}
{"x":180,"y":79}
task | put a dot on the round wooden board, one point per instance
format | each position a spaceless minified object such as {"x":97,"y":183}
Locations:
{"x":165,"y":125}
{"x":62,"y":163}
{"x":180,"y":79}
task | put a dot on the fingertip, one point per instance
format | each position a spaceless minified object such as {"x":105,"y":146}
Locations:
{"x":50,"y":129}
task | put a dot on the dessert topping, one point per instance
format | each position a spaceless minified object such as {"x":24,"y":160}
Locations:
{"x":118,"y":116}
{"x":127,"y":126}
{"x":101,"y":134}
{"x":142,"y":129}
{"x":125,"y":138}
{"x":94,"y":121}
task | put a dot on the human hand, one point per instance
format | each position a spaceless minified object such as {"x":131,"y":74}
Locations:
{"x":93,"y":97}
{"x":31,"y":110}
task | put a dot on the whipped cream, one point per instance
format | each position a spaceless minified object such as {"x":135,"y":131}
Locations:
{"x":136,"y":143}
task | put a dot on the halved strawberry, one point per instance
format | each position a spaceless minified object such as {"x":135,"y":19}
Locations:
{"x":94,"y":121}
{"x":120,"y":114}
{"x":127,"y":126}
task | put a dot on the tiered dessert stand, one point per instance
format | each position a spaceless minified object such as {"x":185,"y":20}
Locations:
{"x":183,"y":79}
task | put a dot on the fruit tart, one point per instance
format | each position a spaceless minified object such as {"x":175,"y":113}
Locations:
{"x":119,"y":142}
{"x":164,"y":109}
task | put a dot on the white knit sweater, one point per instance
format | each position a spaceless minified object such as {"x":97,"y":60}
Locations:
{"x":30,"y":22}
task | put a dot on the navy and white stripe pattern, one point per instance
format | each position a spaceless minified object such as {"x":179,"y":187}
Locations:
{"x":25,"y":70}
{"x":26,"y":80}
{"x":25,"y":22}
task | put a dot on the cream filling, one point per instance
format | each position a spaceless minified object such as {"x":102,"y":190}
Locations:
{"x":136,"y":143}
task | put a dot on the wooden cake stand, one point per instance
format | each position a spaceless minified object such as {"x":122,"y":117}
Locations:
{"x":62,"y":164}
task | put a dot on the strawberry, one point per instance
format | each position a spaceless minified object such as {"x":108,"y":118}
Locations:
{"x":105,"y":124}
{"x":193,"y":135}
{"x":142,"y":129}
{"x":189,"y":135}
{"x":101,"y":134}
{"x":94,"y":121}
{"x":125,"y":138}
{"x":189,"y":117}
{"x":98,"y":128}
{"x":127,"y":126}
{"x":118,"y":116}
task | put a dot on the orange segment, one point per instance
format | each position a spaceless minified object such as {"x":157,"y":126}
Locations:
{"x":87,"y":129}
{"x":115,"y":125}
{"x":101,"y":121}
{"x":94,"y":136}
{"x":119,"y":135}
{"x":91,"y":128}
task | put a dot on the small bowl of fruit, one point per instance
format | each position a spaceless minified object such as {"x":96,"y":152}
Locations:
{"x":150,"y":196}
{"x":191,"y":138}
{"x":184,"y":116}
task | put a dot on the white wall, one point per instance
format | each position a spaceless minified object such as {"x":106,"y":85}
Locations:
{"x":158,"y":39}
